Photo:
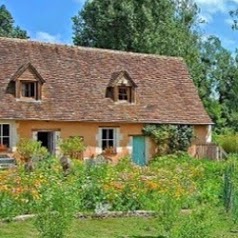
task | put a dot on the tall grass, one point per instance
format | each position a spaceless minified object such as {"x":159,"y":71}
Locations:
{"x":228,"y":142}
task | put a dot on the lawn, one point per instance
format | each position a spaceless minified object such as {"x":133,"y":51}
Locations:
{"x":109,"y":228}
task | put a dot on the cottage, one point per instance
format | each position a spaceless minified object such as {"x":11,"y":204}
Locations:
{"x":50,"y":91}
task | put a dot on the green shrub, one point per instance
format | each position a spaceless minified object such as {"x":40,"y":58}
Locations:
{"x":169,"y":213}
{"x":170,"y":138}
{"x":55,"y":211}
{"x":9,"y":207}
{"x":231,"y":188}
{"x":73,"y":147}
{"x":228,"y":142}
{"x":31,"y":149}
{"x":196,"y":225}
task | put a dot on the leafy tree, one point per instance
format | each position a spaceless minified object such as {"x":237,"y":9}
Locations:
{"x":7,"y":28}
{"x":148,"y":26}
{"x":234,"y":15}
{"x":220,"y":76}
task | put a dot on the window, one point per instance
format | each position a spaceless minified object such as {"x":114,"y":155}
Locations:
{"x":28,"y":89}
{"x":108,"y":138}
{"x":123,"y":93}
{"x":28,"y":83}
{"x":5,"y":135}
{"x":121,"y":88}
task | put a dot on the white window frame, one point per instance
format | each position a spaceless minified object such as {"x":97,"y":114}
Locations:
{"x":1,"y":133}
{"x":114,"y":140}
{"x":117,"y":139}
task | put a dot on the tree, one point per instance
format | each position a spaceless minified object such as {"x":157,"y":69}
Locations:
{"x":148,"y":26}
{"x":234,"y":15}
{"x":7,"y":28}
{"x":220,"y":76}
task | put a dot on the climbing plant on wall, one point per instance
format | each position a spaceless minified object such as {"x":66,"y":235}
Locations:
{"x":169,"y":138}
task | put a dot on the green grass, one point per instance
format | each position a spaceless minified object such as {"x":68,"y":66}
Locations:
{"x":109,"y":228}
{"x":103,"y":228}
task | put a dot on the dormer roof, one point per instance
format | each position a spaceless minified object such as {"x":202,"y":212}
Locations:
{"x":31,"y":69}
{"x":121,"y":78}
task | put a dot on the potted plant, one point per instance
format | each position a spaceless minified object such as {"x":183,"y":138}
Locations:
{"x":110,"y":151}
{"x":3,"y":148}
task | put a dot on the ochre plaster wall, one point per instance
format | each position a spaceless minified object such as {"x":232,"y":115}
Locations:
{"x":202,"y":135}
{"x":89,"y":131}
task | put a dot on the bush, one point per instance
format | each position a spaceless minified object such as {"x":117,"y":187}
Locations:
{"x":54,"y":212}
{"x":231,"y":188}
{"x":228,"y":142}
{"x":72,"y":147}
{"x":29,"y":149}
{"x":196,"y":225}
{"x":170,"y":138}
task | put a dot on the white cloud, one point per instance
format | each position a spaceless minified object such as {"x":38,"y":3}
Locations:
{"x":213,"y":6}
{"x":46,"y":37}
{"x":80,"y":1}
{"x":205,"y":37}
{"x":208,"y":8}
{"x":229,"y":43}
{"x":229,"y":21}
{"x":207,"y":18}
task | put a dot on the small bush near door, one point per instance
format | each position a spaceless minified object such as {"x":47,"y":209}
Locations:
{"x":72,"y":147}
{"x":29,"y":149}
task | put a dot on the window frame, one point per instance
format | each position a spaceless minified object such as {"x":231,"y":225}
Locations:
{"x":3,"y":136}
{"x":24,"y":89}
{"x":124,"y":96}
{"x":107,"y":139}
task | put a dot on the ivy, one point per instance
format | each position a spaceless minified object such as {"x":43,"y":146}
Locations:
{"x":169,"y":138}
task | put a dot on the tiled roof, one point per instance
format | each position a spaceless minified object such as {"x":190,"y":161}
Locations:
{"x":76,"y":79}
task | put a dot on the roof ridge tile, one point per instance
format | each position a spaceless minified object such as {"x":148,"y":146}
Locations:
{"x":110,"y":51}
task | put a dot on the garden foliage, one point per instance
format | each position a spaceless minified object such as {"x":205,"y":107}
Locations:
{"x":29,"y":149}
{"x":124,"y":186}
{"x":231,"y":188}
{"x":167,"y":185}
{"x":72,"y":147}
{"x":228,"y":141}
{"x":170,"y":138}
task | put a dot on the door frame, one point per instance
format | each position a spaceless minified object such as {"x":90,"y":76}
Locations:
{"x":55,"y":138}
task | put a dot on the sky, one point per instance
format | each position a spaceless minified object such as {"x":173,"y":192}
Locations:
{"x":50,"y":20}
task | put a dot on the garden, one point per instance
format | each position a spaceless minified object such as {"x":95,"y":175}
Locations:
{"x":175,"y":196}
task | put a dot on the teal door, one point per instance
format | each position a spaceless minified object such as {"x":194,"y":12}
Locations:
{"x":138,"y":150}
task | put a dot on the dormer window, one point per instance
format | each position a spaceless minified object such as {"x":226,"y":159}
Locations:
{"x":121,"y":88}
{"x":28,"y":83}
{"x":28,"y":89}
{"x":123,"y":93}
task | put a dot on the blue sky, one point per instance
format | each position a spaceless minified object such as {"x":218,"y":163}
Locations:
{"x":50,"y":20}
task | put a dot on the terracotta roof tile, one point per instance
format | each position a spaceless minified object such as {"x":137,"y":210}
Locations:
{"x":76,"y":79}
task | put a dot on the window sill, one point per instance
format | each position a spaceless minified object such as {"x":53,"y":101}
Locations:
{"x":25,"y":99}
{"x":124,"y":102}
